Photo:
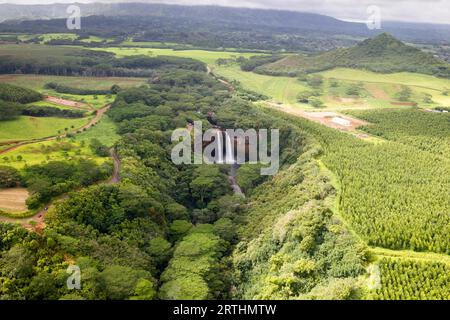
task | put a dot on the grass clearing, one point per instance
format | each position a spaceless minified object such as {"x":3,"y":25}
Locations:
{"x":282,"y":89}
{"x":29,"y":128}
{"x":104,"y":131}
{"x":37,"y":82}
{"x":208,"y":57}
{"x":38,"y":153}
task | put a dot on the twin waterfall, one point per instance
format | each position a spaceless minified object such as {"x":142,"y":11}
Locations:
{"x":229,"y":150}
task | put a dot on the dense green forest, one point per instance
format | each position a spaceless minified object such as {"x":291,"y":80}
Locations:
{"x":171,"y":232}
{"x":16,"y":59}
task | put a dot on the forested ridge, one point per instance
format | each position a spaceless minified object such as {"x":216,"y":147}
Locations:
{"x":384,"y":54}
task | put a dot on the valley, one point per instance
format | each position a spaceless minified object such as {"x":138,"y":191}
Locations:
{"x":359,"y":209}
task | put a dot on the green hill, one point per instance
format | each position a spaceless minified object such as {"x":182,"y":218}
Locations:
{"x":383,"y":53}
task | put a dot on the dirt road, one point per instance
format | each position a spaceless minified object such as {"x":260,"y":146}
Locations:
{"x":100,"y":113}
{"x":36,"y":222}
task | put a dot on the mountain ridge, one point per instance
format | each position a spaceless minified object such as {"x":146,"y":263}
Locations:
{"x":384,"y":54}
{"x":294,"y":21}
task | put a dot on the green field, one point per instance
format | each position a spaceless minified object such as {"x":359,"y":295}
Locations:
{"x":104,"y":131}
{"x":41,"y":152}
{"x":378,"y":90}
{"x":37,"y":82}
{"x":281,"y":89}
{"x":208,"y":57}
{"x":28,"y":128}
{"x":419,"y":83}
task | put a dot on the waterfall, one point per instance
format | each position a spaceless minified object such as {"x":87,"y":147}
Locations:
{"x":219,"y":151}
{"x":229,"y":154}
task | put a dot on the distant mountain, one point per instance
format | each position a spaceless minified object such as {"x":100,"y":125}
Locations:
{"x":383,"y":53}
{"x":237,"y":18}
{"x":217,"y":14}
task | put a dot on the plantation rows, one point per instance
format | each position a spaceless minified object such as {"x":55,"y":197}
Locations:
{"x":424,"y":130}
{"x":393,"y":195}
{"x":410,"y":280}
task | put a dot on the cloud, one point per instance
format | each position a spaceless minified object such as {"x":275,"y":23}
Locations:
{"x":434,"y":11}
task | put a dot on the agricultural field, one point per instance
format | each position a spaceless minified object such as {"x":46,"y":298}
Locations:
{"x":384,"y":86}
{"x":42,"y":152}
{"x":281,"y":89}
{"x":38,"y":82}
{"x":12,"y":200}
{"x":426,"y":131}
{"x":334,"y":92}
{"x":29,"y":128}
{"x":412,"y":280}
{"x":408,"y":188}
{"x":208,"y":57}
{"x":104,"y":131}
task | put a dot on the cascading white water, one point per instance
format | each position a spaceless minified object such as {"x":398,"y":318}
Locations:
{"x":229,"y":150}
{"x":219,"y":150}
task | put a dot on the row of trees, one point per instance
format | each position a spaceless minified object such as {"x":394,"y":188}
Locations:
{"x":12,"y":93}
{"x":412,"y":280}
{"x":75,"y":62}
{"x":404,"y":183}
{"x":424,"y":130}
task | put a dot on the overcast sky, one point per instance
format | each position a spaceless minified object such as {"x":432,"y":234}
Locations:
{"x":434,"y":11}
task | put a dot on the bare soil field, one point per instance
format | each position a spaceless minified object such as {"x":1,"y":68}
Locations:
{"x":13,"y":200}
{"x":67,"y":103}
{"x":327,"y":118}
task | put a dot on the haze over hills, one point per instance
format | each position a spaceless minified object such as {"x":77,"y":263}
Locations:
{"x":235,"y":18}
{"x":383,"y":53}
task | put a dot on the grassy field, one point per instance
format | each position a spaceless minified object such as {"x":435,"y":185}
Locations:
{"x":209,"y":57}
{"x":57,"y":36}
{"x":37,"y":82}
{"x":419,"y":83}
{"x":41,"y":152}
{"x":282,"y":89}
{"x":28,"y":128}
{"x":104,"y":131}
{"x":377,"y":90}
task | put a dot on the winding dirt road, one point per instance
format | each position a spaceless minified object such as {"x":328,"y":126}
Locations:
{"x":100,"y":113}
{"x":36,"y":222}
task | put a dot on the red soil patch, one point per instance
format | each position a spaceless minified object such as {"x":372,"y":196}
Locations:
{"x":330,"y":119}
{"x":68,"y":103}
